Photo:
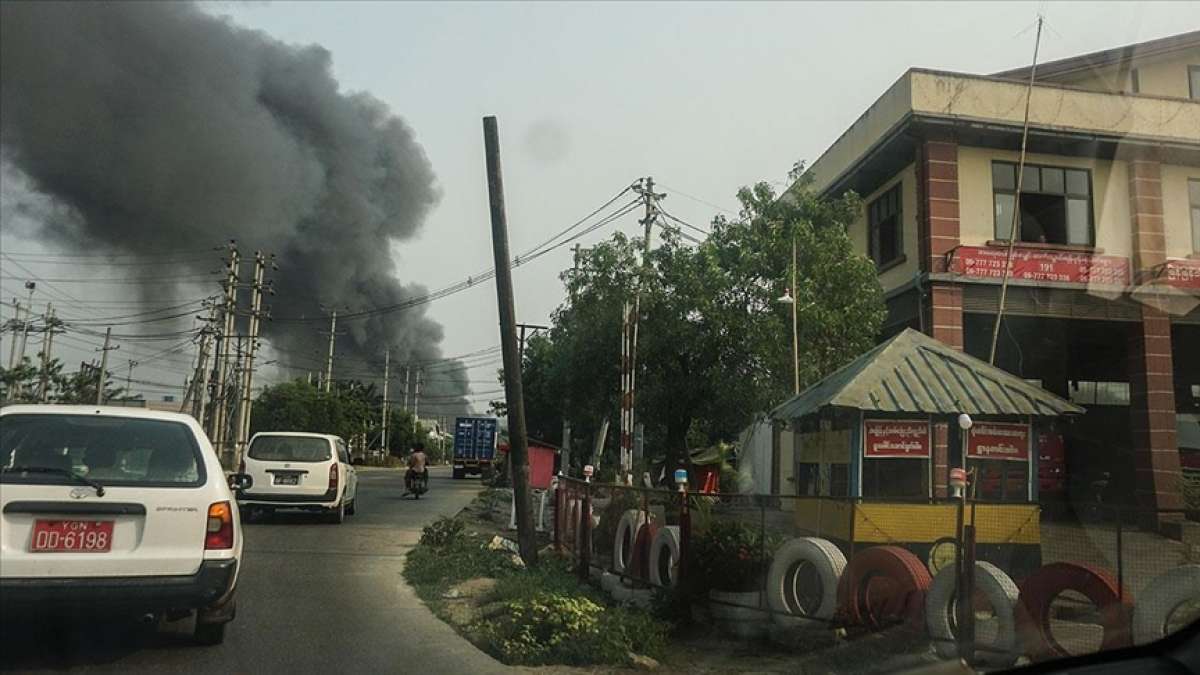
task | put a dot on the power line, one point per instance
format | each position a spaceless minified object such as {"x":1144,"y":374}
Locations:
{"x":470,"y":281}
{"x":697,"y":199}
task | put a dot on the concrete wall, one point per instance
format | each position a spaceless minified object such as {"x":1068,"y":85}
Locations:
{"x":1110,"y":205}
{"x":1177,"y":217}
{"x":904,"y":272}
{"x":1165,"y":75}
{"x":977,"y":98}
{"x":1110,"y":202}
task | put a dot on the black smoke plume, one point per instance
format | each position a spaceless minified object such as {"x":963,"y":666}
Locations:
{"x":157,"y":127}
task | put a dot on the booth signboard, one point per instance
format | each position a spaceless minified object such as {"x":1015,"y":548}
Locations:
{"x":998,"y":440}
{"x":896,"y":438}
{"x":1183,"y":273}
{"x":1036,"y":265}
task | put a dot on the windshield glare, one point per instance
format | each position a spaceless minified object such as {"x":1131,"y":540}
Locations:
{"x":110,"y":450}
{"x":289,"y":449}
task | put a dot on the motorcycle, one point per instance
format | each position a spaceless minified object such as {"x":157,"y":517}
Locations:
{"x":418,"y":484}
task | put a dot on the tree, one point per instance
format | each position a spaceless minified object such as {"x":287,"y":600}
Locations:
{"x":350,"y":409}
{"x":714,"y":344}
{"x":76,"y":387}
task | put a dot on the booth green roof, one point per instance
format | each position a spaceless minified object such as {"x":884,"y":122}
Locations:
{"x":914,"y":373}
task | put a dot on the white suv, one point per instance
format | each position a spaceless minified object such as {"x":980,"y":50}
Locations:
{"x":299,"y":471}
{"x":116,"y":509}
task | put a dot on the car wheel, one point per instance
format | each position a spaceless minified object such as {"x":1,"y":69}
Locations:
{"x":457,"y":474}
{"x":353,"y":507}
{"x":338,"y":514}
{"x":209,"y":634}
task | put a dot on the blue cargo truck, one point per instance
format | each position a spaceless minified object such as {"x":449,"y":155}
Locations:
{"x":474,"y":445}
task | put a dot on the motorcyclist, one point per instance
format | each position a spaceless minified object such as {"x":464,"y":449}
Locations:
{"x":416,"y":466}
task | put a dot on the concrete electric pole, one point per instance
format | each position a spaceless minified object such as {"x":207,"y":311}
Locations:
{"x":220,"y":404}
{"x":518,"y":441}
{"x":102,"y":376}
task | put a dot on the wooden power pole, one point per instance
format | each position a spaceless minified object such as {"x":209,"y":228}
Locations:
{"x":518,"y":443}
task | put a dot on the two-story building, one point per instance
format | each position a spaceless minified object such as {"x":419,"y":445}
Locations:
{"x":1104,"y":277}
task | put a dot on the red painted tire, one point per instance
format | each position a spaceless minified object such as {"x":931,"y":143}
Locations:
{"x":883,"y":585}
{"x":639,"y":560}
{"x":1095,"y":583}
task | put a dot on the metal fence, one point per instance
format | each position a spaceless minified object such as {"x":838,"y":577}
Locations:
{"x":750,"y":565}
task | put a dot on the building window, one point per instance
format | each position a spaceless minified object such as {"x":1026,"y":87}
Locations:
{"x":1194,"y":200}
{"x":1056,"y":204}
{"x":883,"y":227}
{"x":895,"y":478}
{"x":1194,"y":82}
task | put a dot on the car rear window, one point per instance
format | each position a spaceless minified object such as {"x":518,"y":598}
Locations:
{"x":111,"y":450}
{"x":289,"y":449}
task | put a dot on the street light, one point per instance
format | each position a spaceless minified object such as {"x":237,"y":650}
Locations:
{"x":789,"y":298}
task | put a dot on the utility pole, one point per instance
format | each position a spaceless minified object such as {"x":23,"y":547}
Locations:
{"x":518,"y":441}
{"x":523,"y":327}
{"x":16,"y":328}
{"x":129,"y":379}
{"x":245,"y":406}
{"x":329,"y":359}
{"x":387,"y":406}
{"x":649,"y":199}
{"x":220,"y":405}
{"x":416,"y":403}
{"x":47,"y":346}
{"x":29,"y":286}
{"x":203,"y":371}
{"x":103,"y":374}
{"x":407,"y":373}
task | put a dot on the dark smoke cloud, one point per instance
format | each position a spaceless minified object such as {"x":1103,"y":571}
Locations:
{"x":162,"y":128}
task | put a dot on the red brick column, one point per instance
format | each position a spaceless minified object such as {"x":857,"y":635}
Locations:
{"x":939,"y":201}
{"x":937,"y":192}
{"x":941,"y":459}
{"x":1152,"y":409}
{"x":1151,"y":377}
{"x":1146,"y":213}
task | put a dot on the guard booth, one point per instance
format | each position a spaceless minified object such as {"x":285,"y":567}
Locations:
{"x":874,"y":442}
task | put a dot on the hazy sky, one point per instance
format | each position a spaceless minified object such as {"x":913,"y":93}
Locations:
{"x":704,"y":97}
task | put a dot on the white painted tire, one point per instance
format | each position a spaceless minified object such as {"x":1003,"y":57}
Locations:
{"x":666,"y":542}
{"x":630,"y":524}
{"x":1000,"y":591}
{"x":825,"y":559}
{"x":1162,"y":596}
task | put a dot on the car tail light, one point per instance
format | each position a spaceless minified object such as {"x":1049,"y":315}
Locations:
{"x":333,"y":477}
{"x":219,"y":532}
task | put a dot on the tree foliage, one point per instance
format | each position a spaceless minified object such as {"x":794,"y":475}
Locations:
{"x":351,"y":409}
{"x":714,"y":343}
{"x":74,"y":387}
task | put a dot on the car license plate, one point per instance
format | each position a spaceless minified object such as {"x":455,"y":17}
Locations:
{"x":287,"y":479}
{"x":72,"y":536}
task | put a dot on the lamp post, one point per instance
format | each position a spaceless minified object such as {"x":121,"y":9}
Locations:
{"x":789,"y":298}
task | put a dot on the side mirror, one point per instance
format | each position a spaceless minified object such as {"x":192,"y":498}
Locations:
{"x":240,"y":481}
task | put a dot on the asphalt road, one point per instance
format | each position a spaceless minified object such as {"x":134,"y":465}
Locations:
{"x":312,"y":597}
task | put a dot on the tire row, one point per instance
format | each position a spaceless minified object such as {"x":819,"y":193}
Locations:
{"x":811,"y":583}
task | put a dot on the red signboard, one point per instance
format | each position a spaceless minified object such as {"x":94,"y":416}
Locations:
{"x":1182,"y":273}
{"x":998,"y":440}
{"x":1041,"y":265}
{"x":896,"y":438}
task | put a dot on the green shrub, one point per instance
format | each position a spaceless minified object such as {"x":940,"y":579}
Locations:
{"x":730,"y":556}
{"x":442,"y":532}
{"x":464,"y":558}
{"x":556,"y":628}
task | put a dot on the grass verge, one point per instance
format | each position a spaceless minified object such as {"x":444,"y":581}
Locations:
{"x":528,"y":616}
